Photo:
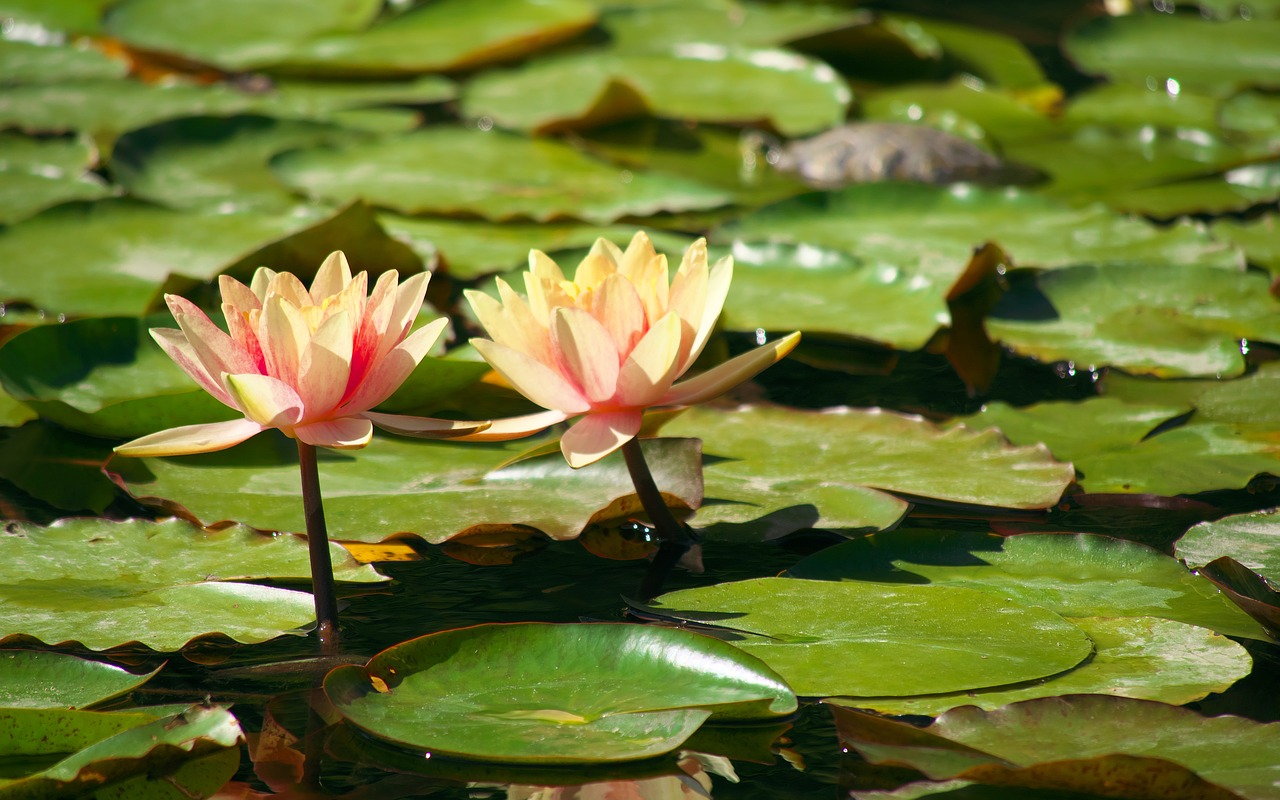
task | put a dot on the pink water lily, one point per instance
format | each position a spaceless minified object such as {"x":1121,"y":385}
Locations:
{"x":610,"y":343}
{"x":310,"y":363}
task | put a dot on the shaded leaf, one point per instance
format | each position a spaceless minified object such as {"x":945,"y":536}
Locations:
{"x":57,"y":467}
{"x":54,"y":680}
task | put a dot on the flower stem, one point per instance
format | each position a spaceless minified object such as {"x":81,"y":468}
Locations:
{"x":318,"y":546}
{"x":674,"y":538}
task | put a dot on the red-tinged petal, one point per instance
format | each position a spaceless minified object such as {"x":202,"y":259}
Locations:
{"x":647,"y":373}
{"x":205,"y":438}
{"x":427,"y":427}
{"x":720,"y":379}
{"x":283,"y":335}
{"x":347,"y":433}
{"x":237,"y":295}
{"x":689,"y":297}
{"x":392,"y":369}
{"x":333,"y":275}
{"x":268,"y":401}
{"x":325,"y":366}
{"x":377,"y":312}
{"x":718,"y":280}
{"x":501,"y":430}
{"x":244,"y":334}
{"x":597,"y":435}
{"x":533,"y":379}
{"x":408,"y":303}
{"x":585,"y":353}
{"x":175,"y":345}
{"x":617,"y":307}
{"x":216,"y":351}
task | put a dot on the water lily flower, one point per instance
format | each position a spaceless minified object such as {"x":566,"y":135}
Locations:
{"x":310,"y":363}
{"x":610,"y":343}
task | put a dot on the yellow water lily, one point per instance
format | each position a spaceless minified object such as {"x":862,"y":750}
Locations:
{"x":611,"y":342}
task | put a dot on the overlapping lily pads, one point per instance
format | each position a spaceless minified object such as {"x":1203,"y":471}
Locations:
{"x":555,"y":694}
{"x":104,"y":584}
{"x":1252,"y":539}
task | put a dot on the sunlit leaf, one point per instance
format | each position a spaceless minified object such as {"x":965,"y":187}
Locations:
{"x":495,"y":175}
{"x":1252,"y":539}
{"x":25,"y":62}
{"x":1259,"y":238}
{"x":753,"y":24}
{"x":36,"y":174}
{"x":1121,"y":105}
{"x":985,"y":114}
{"x":33,"y":679}
{"x":830,"y":638}
{"x":1075,"y":575}
{"x":992,"y":56}
{"x":555,"y":694}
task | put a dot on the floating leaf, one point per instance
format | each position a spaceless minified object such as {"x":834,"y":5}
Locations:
{"x":807,"y":629}
{"x":1123,"y":106}
{"x":36,"y":174}
{"x":1252,"y":539}
{"x":1141,"y":657}
{"x":752,"y":24}
{"x":57,"y":467}
{"x":71,"y":16}
{"x":25,"y":62}
{"x":984,"y":114}
{"x":1088,"y":737}
{"x":555,"y":694}
{"x":1259,"y":238}
{"x":795,"y":94}
{"x":492,"y":174}
{"x":992,"y":56}
{"x":780,"y":470}
{"x":396,"y":486}
{"x":105,"y":583}
{"x":445,"y":35}
{"x":33,"y":679}
{"x":1075,"y":575}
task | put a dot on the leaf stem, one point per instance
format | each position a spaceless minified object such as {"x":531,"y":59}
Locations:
{"x":674,"y":538}
{"x":318,"y":546}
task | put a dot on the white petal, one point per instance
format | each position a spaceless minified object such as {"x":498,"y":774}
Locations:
{"x":204,"y":438}
{"x":326,"y":365}
{"x":723,"y":377}
{"x":427,"y":427}
{"x":717,"y":289}
{"x":533,"y":379}
{"x":346,"y":433}
{"x":597,"y":435}
{"x":500,"y":430}
{"x":268,"y":401}
{"x":332,"y":276}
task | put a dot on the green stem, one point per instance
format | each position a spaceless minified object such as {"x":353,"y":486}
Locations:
{"x":318,"y":546}
{"x":674,"y":538}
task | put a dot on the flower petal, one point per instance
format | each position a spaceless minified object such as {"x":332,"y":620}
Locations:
{"x":597,"y":435}
{"x":639,"y":255}
{"x":268,"y":401}
{"x":427,"y":427}
{"x":325,"y":366}
{"x":283,"y":335}
{"x":720,"y":379}
{"x":175,"y":345}
{"x":393,"y":368}
{"x":533,"y":379}
{"x":262,"y":278}
{"x":287,"y":286}
{"x":593,"y":270}
{"x":511,"y":323}
{"x":345,"y":433}
{"x":688,"y":297}
{"x":204,"y":438}
{"x":647,"y":373}
{"x":585,"y":353}
{"x":238,"y":295}
{"x":332,"y":276}
{"x":408,"y":302}
{"x":500,"y":430}
{"x":616,"y":306}
{"x":216,"y":351}
{"x":718,"y":280}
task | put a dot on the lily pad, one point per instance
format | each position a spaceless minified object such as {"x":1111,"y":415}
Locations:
{"x":555,"y":694}
{"x":726,"y":22}
{"x":105,"y":583}
{"x":27,"y":62}
{"x":444,"y":35}
{"x":33,"y":679}
{"x":992,"y":56}
{"x":1212,"y":55}
{"x":778,"y":470}
{"x":1252,"y":539}
{"x":57,"y":467}
{"x":491,"y":174}
{"x":792,"y":93}
{"x":37,"y":174}
{"x":1189,"y":322}
{"x":985,"y":114}
{"x":884,"y":635}
{"x":1259,"y":238}
{"x":1141,"y":657}
{"x":1087,"y":736}
{"x":1075,"y":575}
{"x":396,"y":486}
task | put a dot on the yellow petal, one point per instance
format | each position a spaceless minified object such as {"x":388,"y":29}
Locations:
{"x":593,"y":270}
{"x":283,"y":335}
{"x":262,"y":278}
{"x":638,"y":256}
{"x":720,"y":379}
{"x":510,"y":323}
{"x":235,"y":293}
{"x":332,"y":276}
{"x":533,"y":379}
{"x":689,"y":297}
{"x":543,"y":266}
{"x":585,"y":352}
{"x":617,"y":307}
{"x":266,"y":400}
{"x":718,"y":280}
{"x":647,"y":373}
{"x":325,"y":365}
{"x":204,"y":438}
{"x":597,"y":435}
{"x":347,"y":433}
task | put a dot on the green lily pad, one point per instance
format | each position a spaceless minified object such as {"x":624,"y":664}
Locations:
{"x":70,"y":16}
{"x":58,"y":467}
{"x":778,"y":470}
{"x":444,"y":35}
{"x":1100,"y":744}
{"x":985,"y":114}
{"x":1141,"y":657}
{"x":13,"y":412}
{"x":725,"y":22}
{"x":1189,"y":322}
{"x":933,"y":230}
{"x":495,"y":175}
{"x":829,"y":638}
{"x":239,"y":35}
{"x":1212,"y":55}
{"x":1259,"y":238}
{"x":1250,"y":539}
{"x":1075,"y":575}
{"x":792,"y":93}
{"x":33,"y":679}
{"x":25,"y":62}
{"x":189,"y":754}
{"x":396,"y":486}
{"x":104,"y":583}
{"x":35,"y":175}
{"x":555,"y":694}
{"x":994,"y":57}
{"x":1237,"y":190}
